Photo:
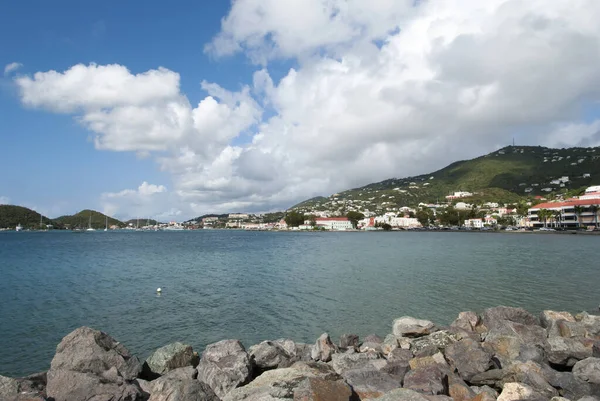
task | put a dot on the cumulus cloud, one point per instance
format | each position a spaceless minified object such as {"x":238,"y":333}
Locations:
{"x":12,"y":67}
{"x":379,"y":89}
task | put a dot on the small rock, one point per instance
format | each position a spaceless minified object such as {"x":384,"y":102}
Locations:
{"x":169,"y":357}
{"x":489,"y":378}
{"x":590,"y":322}
{"x":468,"y":357}
{"x":519,"y":392}
{"x":224,"y":366}
{"x":567,"y":351}
{"x":323,"y":349}
{"x":434,"y":342}
{"x":271,"y":355}
{"x":588,"y":370}
{"x":459,"y":390}
{"x":315,"y":389}
{"x":466,"y":321}
{"x":349,"y":341}
{"x":389,"y":344}
{"x":373,"y":338}
{"x":531,"y":374}
{"x":549,"y":317}
{"x":345,"y":362}
{"x":169,"y":388}
{"x":407,"y":326}
{"x":559,"y":399}
{"x":434,"y":360}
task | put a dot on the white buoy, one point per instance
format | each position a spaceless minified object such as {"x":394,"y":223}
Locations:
{"x":158,"y":289}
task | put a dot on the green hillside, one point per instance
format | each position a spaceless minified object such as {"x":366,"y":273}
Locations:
{"x":82,"y":220}
{"x":11,"y":216}
{"x":507,"y":176}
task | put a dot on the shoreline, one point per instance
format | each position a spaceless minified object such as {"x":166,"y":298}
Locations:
{"x":485,"y":356}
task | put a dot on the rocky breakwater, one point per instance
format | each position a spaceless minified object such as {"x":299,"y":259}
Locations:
{"x":504,"y":354}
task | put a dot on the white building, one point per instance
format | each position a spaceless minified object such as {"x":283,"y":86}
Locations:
{"x":334,"y":223}
{"x":474,"y":223}
{"x":404,"y":222}
{"x":459,"y":194}
{"x":238,"y":216}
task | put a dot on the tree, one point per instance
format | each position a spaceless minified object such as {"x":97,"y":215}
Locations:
{"x":578,"y":211}
{"x":294,"y":218}
{"x":594,"y":209}
{"x":425,"y":216}
{"x":354,"y":217}
{"x":557,"y":215}
{"x":543,"y":215}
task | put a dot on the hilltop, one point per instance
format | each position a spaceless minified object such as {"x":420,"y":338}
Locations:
{"x":82,"y":220}
{"x":509,"y":175}
{"x":11,"y":216}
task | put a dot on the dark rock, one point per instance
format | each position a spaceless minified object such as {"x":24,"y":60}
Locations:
{"x":224,"y":366}
{"x":280,"y":384}
{"x":315,"y":389}
{"x":493,"y":316}
{"x":588,"y":370}
{"x":458,"y":389}
{"x":532,"y":374}
{"x":272,"y":354}
{"x":489,"y":378}
{"x":323,"y":349}
{"x":567,"y":384}
{"x":428,"y":380}
{"x":173,"y":388}
{"x":407,"y":326}
{"x":468,"y":357}
{"x":169,"y":357}
{"x":519,"y":392}
{"x":370,"y":383}
{"x":349,"y":341}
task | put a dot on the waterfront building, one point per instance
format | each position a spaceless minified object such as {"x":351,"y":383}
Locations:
{"x":334,"y":223}
{"x":570,"y":213}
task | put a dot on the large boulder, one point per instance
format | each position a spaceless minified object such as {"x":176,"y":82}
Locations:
{"x":489,"y":378}
{"x":273,"y":354}
{"x":371,"y":383}
{"x":493,"y":316}
{"x":548,"y":318}
{"x":531,"y":374}
{"x":588,"y":370}
{"x":466,"y":321}
{"x":468,"y":357}
{"x":315,"y":389}
{"x":280,"y":384}
{"x":224,"y":366}
{"x":343,"y":363}
{"x":323,"y":348}
{"x":431,"y":344}
{"x":590,"y":322}
{"x":89,"y":363}
{"x":407,"y":326}
{"x":9,"y":387}
{"x":510,"y":341}
{"x":349,"y":341}
{"x":427,"y":380}
{"x":567,"y":351}
{"x":178,"y":388}
{"x":568,"y":385}
{"x":169,"y":357}
{"x":519,"y":392}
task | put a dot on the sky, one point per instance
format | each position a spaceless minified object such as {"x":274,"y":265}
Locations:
{"x":172,"y":111}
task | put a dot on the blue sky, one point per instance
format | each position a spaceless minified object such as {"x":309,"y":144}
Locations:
{"x":173,"y":111}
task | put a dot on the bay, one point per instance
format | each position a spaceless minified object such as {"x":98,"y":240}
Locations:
{"x":266,"y":285}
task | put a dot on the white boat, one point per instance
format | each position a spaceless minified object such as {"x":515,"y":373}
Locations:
{"x":106,"y":224}
{"x":173,"y":228}
{"x":19,"y":227}
{"x":90,"y":225}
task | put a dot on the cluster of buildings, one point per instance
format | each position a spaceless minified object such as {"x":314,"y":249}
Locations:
{"x":576,"y":212}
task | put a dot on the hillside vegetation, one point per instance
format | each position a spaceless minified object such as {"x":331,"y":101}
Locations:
{"x":11,"y":216}
{"x":82,"y":220}
{"x":508,"y":175}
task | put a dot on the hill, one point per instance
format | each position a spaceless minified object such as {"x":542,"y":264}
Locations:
{"x":11,"y":216}
{"x":508,"y":175}
{"x":82,"y":220}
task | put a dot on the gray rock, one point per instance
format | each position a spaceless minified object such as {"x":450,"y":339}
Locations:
{"x":519,"y":392}
{"x":510,"y":341}
{"x":342,"y":363}
{"x":373,"y":338}
{"x":590,"y":322}
{"x":272,"y":354}
{"x":224,"y":366}
{"x":468,"y":357}
{"x":402,"y":394}
{"x":91,"y":351}
{"x":458,"y":389}
{"x":186,"y":373}
{"x":399,"y":354}
{"x":549,"y":317}
{"x":9,"y":387}
{"x":485,"y":389}
{"x":303,"y":352}
{"x":466,"y":321}
{"x":489,"y":378}
{"x":33,"y":384}
{"x":280,"y":384}
{"x":428,"y":380}
{"x":390,"y":343}
{"x":169,"y":357}
{"x":369,"y":383}
{"x":173,"y":388}
{"x":566,"y":329}
{"x":349,"y":341}
{"x":315,"y":389}
{"x":568,"y":385}
{"x":68,"y":385}
{"x":567,"y":351}
{"x":531,"y":374}
{"x":589,"y":398}
{"x":433,"y":343}
{"x":559,"y":399}
{"x":493,"y":316}
{"x":144,"y":385}
{"x":323,"y":349}
{"x":407,"y":326}
{"x":588,"y":370}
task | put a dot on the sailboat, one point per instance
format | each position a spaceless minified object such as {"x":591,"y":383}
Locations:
{"x":106,"y":224}
{"x":90,"y":224}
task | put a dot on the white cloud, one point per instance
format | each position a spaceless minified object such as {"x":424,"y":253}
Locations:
{"x":379,"y":89}
{"x":4,"y":200}
{"x":12,"y":67}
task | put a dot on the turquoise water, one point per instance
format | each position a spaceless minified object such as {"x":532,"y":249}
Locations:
{"x":259,"y":285}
